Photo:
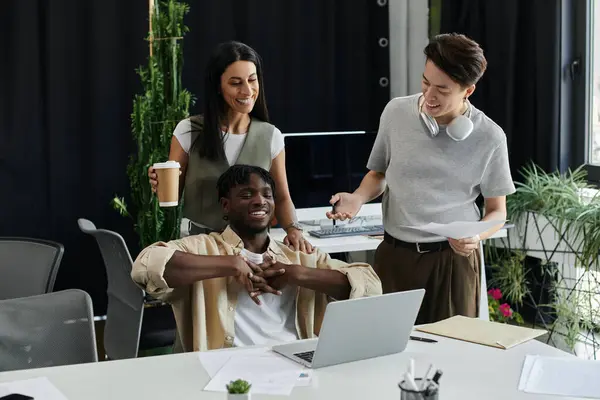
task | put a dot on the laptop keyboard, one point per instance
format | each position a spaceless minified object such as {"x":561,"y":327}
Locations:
{"x":306,"y":356}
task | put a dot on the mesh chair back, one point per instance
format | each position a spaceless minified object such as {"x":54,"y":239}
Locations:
{"x":47,"y":330}
{"x":28,"y":267}
{"x":125,"y":299}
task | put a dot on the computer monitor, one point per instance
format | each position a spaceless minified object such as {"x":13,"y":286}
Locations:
{"x":320,"y":164}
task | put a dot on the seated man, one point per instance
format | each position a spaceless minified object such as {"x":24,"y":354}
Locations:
{"x":240,"y":287}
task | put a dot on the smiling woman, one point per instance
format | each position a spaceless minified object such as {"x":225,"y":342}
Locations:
{"x":240,"y":87}
{"x":234,"y":129}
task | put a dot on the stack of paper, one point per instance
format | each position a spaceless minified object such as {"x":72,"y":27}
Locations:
{"x":213,"y":361}
{"x":269,"y":373}
{"x":561,"y":376}
{"x":38,"y":388}
{"x":475,"y":330}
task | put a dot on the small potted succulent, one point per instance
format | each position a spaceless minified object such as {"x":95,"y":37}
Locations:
{"x":238,"y":390}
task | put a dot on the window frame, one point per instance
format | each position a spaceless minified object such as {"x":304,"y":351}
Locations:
{"x":576,"y":93}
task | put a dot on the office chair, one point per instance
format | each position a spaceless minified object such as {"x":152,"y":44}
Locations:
{"x":47,"y":330}
{"x":28,"y":266}
{"x":130,"y":326}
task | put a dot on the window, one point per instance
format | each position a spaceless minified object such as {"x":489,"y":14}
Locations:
{"x":594,"y":111}
{"x":580,"y":101}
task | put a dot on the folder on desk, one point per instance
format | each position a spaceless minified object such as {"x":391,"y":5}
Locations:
{"x":475,"y":330}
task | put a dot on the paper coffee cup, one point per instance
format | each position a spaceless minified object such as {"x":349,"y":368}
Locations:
{"x":168,"y":183}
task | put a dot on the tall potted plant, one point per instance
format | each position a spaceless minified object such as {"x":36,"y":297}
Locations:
{"x":163,"y":103}
{"x":557,"y":219}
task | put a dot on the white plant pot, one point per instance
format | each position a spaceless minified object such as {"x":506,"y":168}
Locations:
{"x":234,"y":396}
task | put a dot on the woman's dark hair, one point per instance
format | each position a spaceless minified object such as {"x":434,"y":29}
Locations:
{"x":458,"y":56}
{"x":239,"y":174}
{"x":209,"y":143}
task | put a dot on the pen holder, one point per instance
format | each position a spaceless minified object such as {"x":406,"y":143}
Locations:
{"x":430,"y":392}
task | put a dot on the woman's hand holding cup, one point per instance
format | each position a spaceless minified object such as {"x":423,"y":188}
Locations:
{"x":153,"y":178}
{"x":167,"y":173}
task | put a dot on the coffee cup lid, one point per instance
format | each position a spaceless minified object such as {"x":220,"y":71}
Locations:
{"x":167,"y":164}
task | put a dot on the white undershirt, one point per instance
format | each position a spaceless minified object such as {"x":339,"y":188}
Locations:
{"x":274,"y":321}
{"x":233,"y":146}
{"x":232,"y":142}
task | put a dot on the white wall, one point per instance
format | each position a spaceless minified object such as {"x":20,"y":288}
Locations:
{"x":409,"y":31}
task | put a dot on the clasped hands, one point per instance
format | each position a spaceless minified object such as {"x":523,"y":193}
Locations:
{"x":269,"y":277}
{"x":464,"y":247}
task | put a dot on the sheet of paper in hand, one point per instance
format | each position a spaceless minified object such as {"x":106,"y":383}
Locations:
{"x":457,"y":229}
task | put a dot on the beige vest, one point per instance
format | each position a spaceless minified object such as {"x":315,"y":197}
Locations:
{"x":200,"y":199}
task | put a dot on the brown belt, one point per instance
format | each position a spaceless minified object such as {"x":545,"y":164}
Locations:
{"x":418,"y":247}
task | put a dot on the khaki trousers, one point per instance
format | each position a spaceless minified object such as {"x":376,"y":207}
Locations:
{"x":451,"y":282}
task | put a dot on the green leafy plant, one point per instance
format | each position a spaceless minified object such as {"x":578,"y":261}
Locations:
{"x":559,"y":198}
{"x":567,"y":207}
{"x":501,"y":312}
{"x":238,"y":386}
{"x":156,"y":112}
{"x":509,"y":275}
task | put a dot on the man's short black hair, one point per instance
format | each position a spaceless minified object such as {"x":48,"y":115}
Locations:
{"x":240,"y":175}
{"x":458,"y":56}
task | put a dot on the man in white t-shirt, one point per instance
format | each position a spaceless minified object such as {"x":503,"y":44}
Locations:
{"x":240,"y":287}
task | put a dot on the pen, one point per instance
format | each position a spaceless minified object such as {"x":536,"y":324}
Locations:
{"x":424,"y":380}
{"x":422,"y":339}
{"x":411,"y":367}
{"x":437,"y":375}
{"x":333,"y":212}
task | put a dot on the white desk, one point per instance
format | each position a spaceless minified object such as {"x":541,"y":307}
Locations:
{"x":361,"y":243}
{"x":337,"y":244}
{"x":470,"y":372}
{"x":309,"y":219}
{"x":370,"y":211}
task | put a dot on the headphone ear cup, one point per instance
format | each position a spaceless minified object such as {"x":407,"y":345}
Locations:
{"x":460,"y":128}
{"x":430,"y":124}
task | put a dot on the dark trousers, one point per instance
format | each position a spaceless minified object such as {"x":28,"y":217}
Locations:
{"x":451,"y":281}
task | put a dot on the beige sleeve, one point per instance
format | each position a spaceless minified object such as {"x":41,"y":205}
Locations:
{"x":149,"y":267}
{"x":364,"y":282}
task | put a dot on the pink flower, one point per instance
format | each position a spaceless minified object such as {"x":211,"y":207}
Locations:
{"x":495,"y":293}
{"x":505,"y":310}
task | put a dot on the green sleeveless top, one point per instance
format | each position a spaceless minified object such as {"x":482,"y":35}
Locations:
{"x":200,"y":199}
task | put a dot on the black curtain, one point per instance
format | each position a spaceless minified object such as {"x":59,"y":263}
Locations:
{"x":322,"y":67}
{"x":67,"y":76}
{"x":321,"y":58}
{"x":67,"y":80}
{"x":521,"y":89}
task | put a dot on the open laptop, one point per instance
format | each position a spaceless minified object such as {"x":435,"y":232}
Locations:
{"x":358,"y":329}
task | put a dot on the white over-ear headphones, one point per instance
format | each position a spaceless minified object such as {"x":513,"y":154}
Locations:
{"x":459,"y":129}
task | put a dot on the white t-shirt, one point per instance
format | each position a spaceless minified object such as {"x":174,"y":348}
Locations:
{"x":274,"y":321}
{"x":233,"y":143}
